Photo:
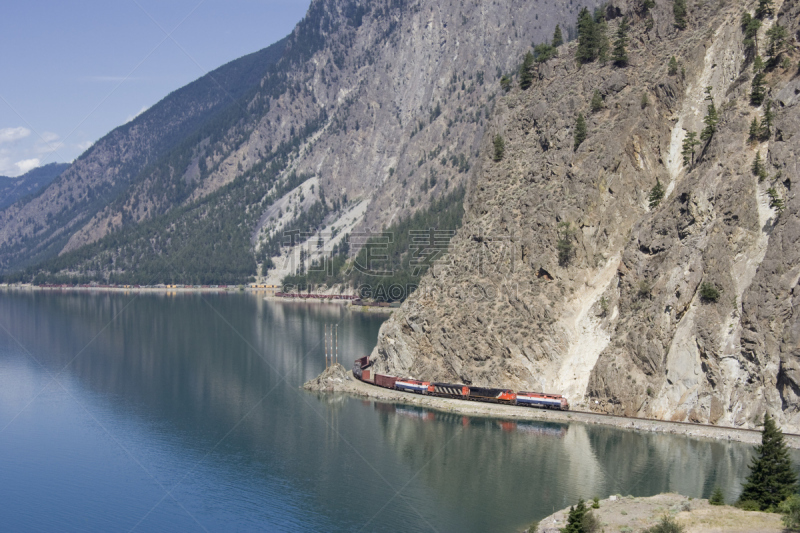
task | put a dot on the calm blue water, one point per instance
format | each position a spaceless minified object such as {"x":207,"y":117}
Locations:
{"x":184,"y":413}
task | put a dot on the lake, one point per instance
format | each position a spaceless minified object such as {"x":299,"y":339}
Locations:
{"x":183,"y":412}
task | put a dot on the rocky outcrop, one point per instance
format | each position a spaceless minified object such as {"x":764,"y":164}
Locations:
{"x":618,"y":322}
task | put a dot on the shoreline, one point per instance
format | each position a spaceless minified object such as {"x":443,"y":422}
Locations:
{"x":267,"y":294}
{"x":340,"y":380}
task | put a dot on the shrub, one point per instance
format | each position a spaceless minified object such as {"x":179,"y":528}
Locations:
{"x":595,"y":503}
{"x":580,"y":130}
{"x":709,"y":292}
{"x":667,"y":524}
{"x":564,"y":245}
{"x":672,"y":67}
{"x":717,"y":498}
{"x":499,"y":147}
{"x":748,"y":505}
{"x":597,"y":102}
{"x":790,"y":509}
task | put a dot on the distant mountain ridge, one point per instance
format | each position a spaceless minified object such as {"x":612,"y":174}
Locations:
{"x":30,"y":183}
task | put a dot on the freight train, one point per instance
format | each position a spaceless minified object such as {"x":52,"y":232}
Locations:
{"x":361,"y":370}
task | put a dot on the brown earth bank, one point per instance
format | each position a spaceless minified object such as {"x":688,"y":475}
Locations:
{"x":338,"y":379}
{"x":629,"y":514}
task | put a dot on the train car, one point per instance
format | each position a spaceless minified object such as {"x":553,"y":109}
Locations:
{"x":540,"y":399}
{"x":455,"y":390}
{"x":489,"y":394}
{"x":385,"y":381}
{"x":412,"y":385}
{"x":358,"y":367}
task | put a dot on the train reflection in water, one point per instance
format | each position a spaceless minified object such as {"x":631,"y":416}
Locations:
{"x":418,"y":413}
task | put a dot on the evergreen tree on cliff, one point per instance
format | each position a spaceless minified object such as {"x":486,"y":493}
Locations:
{"x":679,"y":11}
{"x":575,"y":518}
{"x":586,"y":37}
{"x":525,"y":73}
{"x":772,"y":478}
{"x":558,"y":39}
{"x":620,"y":54}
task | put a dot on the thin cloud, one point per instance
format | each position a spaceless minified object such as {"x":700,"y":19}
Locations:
{"x":131,"y":117}
{"x":8,"y":135}
{"x":27,"y":164}
{"x":111,"y":79}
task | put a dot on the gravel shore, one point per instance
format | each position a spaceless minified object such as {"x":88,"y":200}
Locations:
{"x":339,"y":379}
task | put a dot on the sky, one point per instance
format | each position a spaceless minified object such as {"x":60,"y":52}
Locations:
{"x":73,"y":70}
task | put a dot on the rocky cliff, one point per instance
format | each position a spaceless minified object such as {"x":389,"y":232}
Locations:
{"x":566,"y":278}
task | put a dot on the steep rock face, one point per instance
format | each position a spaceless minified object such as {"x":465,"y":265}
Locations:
{"x":384,"y":102}
{"x":620,"y":326}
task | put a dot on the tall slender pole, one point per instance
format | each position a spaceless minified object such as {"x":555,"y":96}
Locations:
{"x":337,"y":343}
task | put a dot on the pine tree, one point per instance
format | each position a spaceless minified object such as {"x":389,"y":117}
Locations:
{"x":558,"y":39}
{"x":750,"y":26}
{"x":499,"y":147}
{"x":755,"y":131}
{"x":620,"y":53}
{"x":597,"y":102}
{"x":758,"y":167}
{"x":772,"y":478}
{"x":717,"y":498}
{"x":711,"y":119}
{"x":575,"y":518}
{"x":505,"y":83}
{"x":689,"y":142}
{"x":775,"y":201}
{"x":776,"y":43}
{"x":601,"y":35}
{"x":525,"y":72}
{"x":656,"y":194}
{"x":586,"y":37}
{"x":679,"y":11}
{"x":765,"y":9}
{"x":580,"y":130}
{"x":757,"y":91}
{"x":672,"y":67}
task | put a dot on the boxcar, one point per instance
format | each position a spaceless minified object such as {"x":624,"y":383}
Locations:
{"x":385,"y":381}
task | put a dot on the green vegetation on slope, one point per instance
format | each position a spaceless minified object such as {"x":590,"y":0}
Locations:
{"x":388,"y":267}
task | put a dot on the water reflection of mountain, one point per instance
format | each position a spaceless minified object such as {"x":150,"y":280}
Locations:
{"x":185,"y":370}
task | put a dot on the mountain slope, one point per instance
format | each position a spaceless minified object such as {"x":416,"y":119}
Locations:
{"x":564,"y":278}
{"x":375,"y":100}
{"x":12,"y":189}
{"x":42,"y":226}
